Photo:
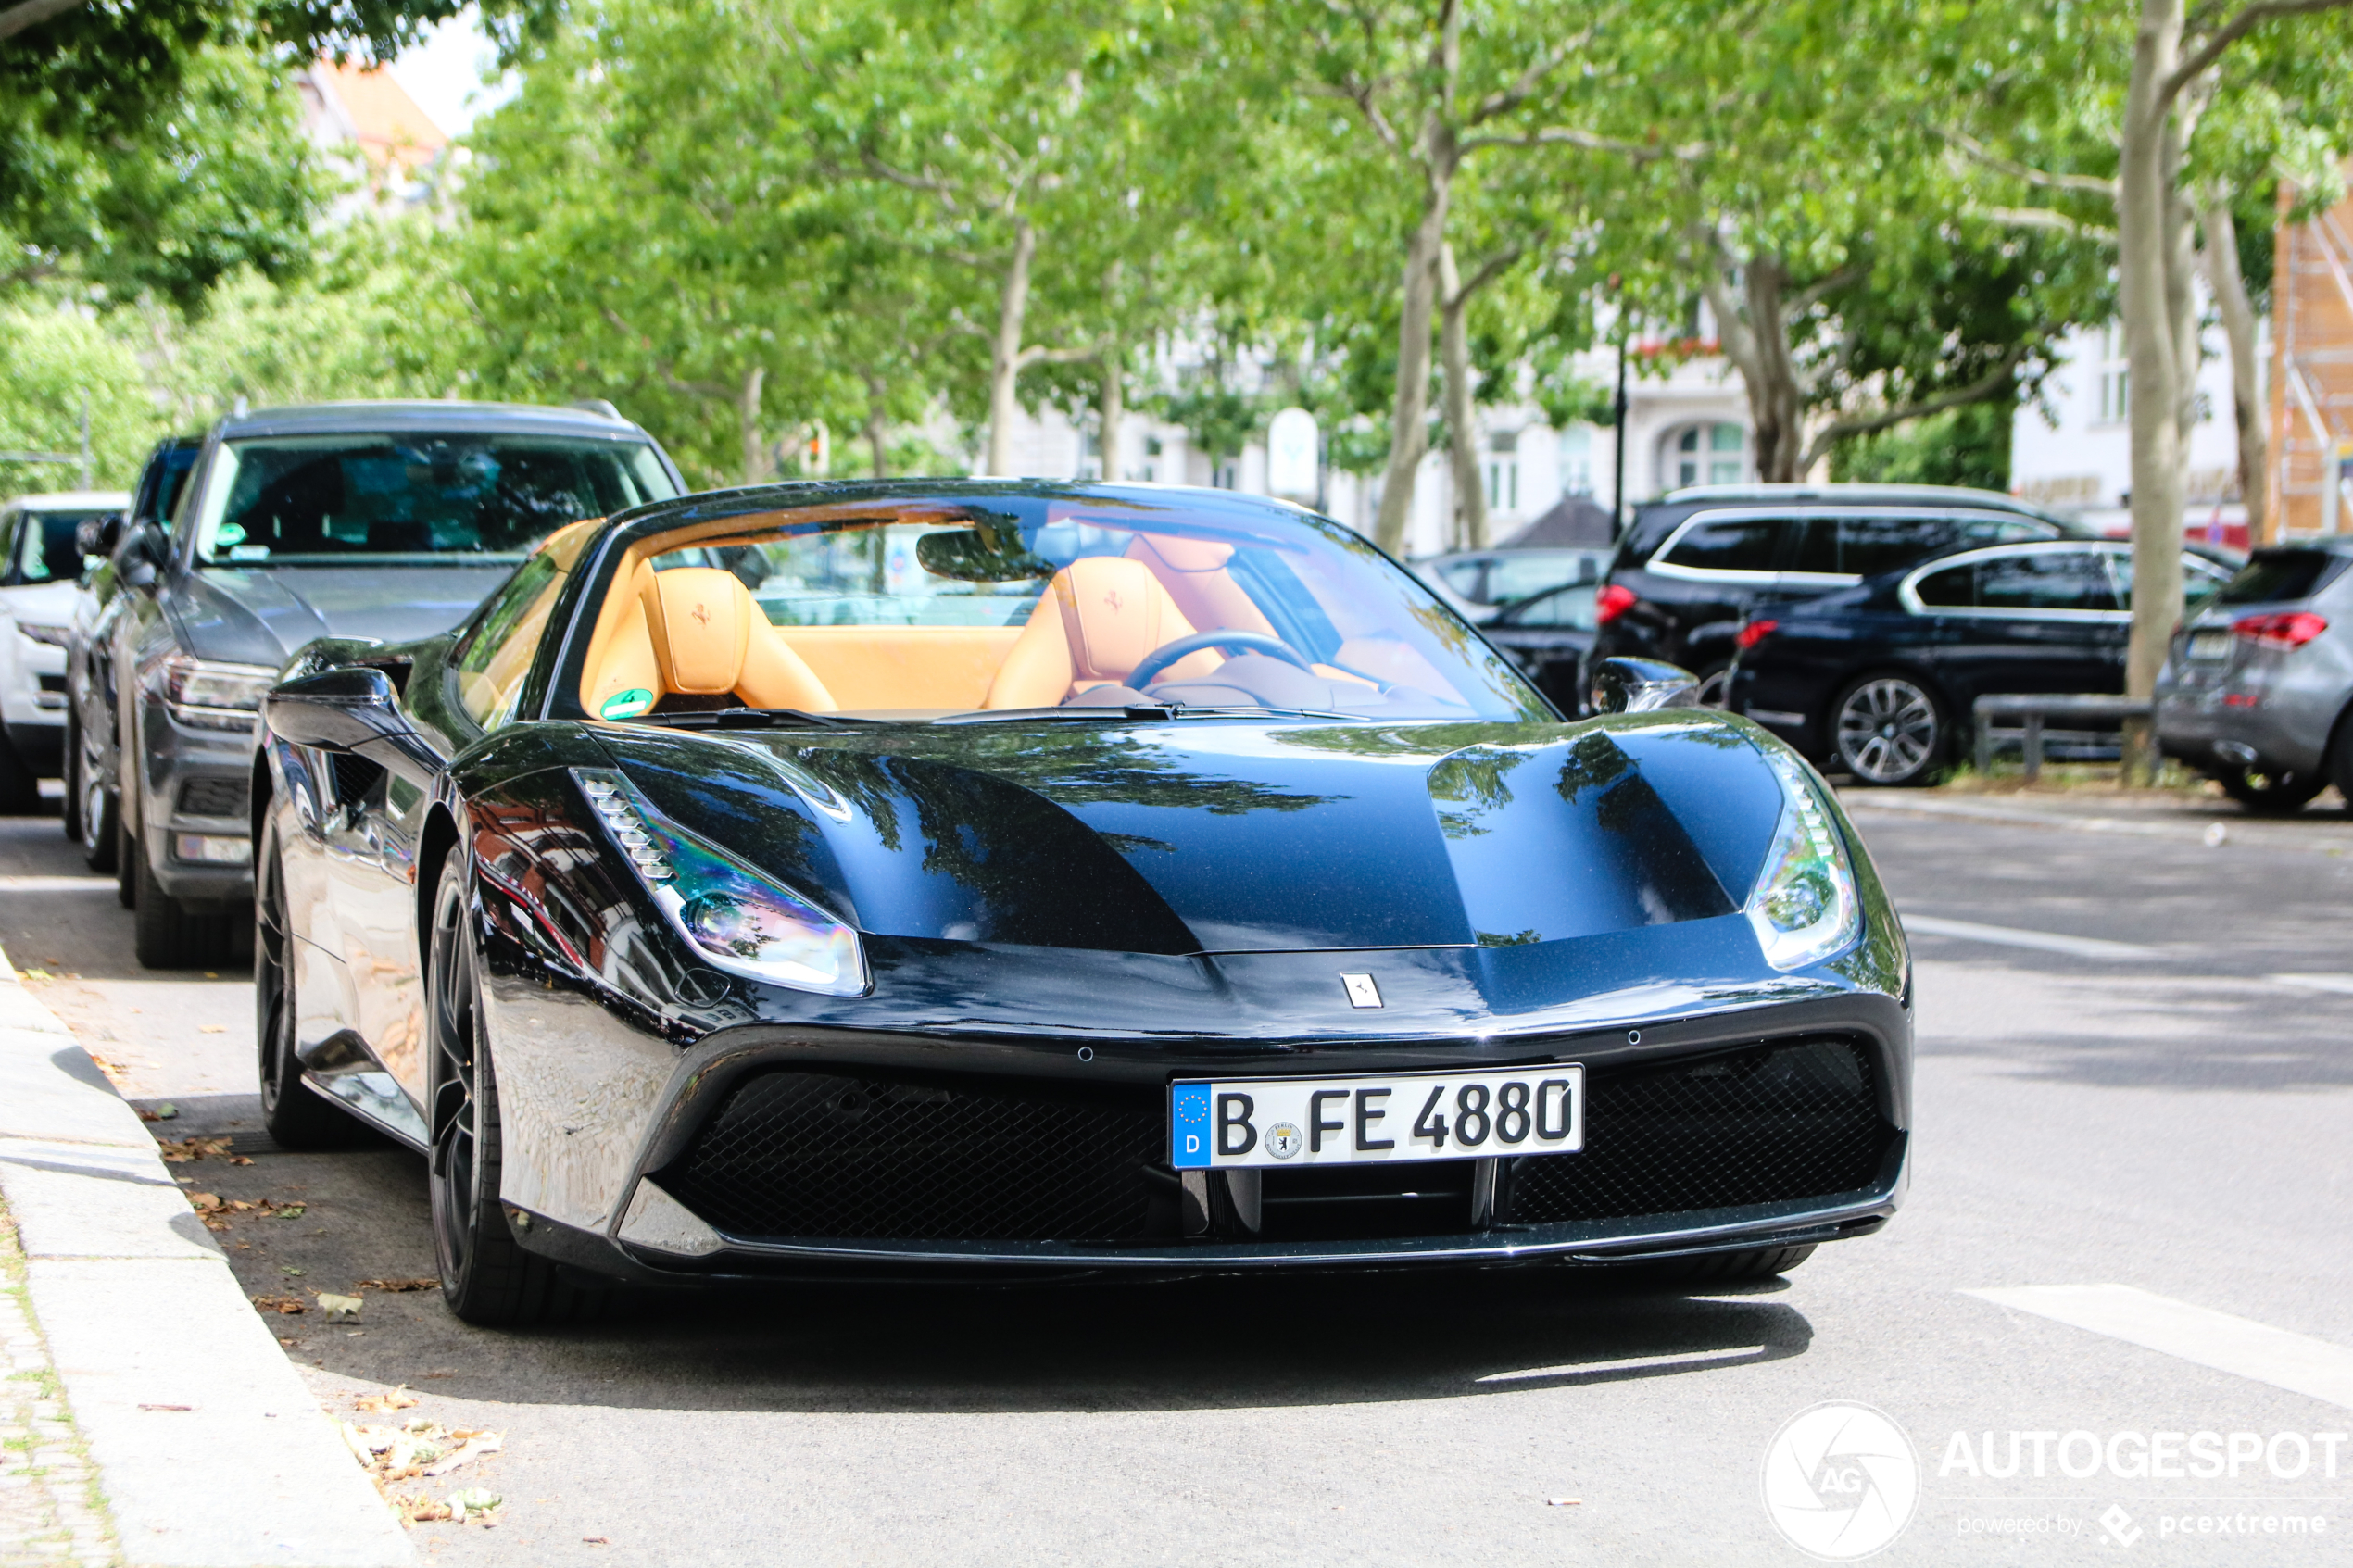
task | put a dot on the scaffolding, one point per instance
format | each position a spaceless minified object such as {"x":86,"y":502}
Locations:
{"x":2311,"y":391}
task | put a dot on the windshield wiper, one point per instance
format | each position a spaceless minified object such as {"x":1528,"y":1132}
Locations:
{"x":1093,"y":713}
{"x":751,"y":719}
{"x":1228,"y":711}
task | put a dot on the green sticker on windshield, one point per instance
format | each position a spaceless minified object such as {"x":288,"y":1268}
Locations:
{"x":628,"y":704}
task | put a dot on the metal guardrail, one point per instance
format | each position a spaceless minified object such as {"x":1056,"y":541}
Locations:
{"x":2034,"y":709}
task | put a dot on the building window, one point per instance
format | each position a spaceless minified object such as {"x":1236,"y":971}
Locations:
{"x":2115,"y":377}
{"x":1717,"y":450}
{"x":1576,"y":460}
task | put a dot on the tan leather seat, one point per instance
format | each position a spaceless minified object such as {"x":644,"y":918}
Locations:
{"x":1099,"y":617}
{"x":696,"y":632}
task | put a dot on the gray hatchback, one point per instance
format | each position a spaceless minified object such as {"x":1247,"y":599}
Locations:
{"x":2256,"y":687}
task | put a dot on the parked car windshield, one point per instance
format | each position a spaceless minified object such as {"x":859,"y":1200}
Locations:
{"x":1028,"y":602}
{"x":316,"y":499}
{"x":2275,"y":576}
{"x":45,"y":549}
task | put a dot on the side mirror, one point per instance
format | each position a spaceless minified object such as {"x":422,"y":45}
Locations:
{"x":1638,"y":685}
{"x":98,"y":535}
{"x":140,"y":553}
{"x":339,"y":709}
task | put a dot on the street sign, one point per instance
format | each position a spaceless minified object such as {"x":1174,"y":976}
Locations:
{"x":1290,"y":455}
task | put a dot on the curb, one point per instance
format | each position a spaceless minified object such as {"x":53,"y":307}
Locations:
{"x":210,"y":1452}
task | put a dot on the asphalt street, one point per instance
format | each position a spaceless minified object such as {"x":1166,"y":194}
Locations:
{"x":2163,"y":1113}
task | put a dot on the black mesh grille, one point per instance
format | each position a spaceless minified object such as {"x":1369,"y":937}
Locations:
{"x":1754,"y":1127}
{"x":828,"y":1155}
{"x":355,"y":776}
{"x":213,"y":797}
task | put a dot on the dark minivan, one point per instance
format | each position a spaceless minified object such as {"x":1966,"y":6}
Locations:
{"x":1693,"y":565}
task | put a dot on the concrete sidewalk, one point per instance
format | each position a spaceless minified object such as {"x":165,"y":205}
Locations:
{"x":142,"y":1355}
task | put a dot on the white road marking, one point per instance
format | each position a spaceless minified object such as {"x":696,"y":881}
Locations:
{"x":2315,"y":981}
{"x":2012,"y":936}
{"x":2239,"y":1345}
{"x":55,"y":884}
{"x":1628,"y":1363}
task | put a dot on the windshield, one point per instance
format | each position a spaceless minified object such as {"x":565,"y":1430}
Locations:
{"x":938,"y":609}
{"x":47,"y":550}
{"x":328,"y":498}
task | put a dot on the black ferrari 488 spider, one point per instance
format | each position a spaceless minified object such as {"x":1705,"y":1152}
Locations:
{"x":936,"y":876}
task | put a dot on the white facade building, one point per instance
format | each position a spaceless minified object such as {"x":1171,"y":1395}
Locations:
{"x":1687,"y":424}
{"x":2078,"y":457}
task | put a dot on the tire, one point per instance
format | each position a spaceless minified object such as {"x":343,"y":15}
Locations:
{"x":93,"y":806}
{"x":486,"y":1277}
{"x":20,"y":790}
{"x":164,"y":934}
{"x":71,"y":815}
{"x":294,"y":1115}
{"x":1887,"y":730}
{"x":126,"y":861}
{"x":2270,"y":793}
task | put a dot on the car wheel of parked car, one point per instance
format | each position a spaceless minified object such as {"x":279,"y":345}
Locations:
{"x":91,"y":803}
{"x":20,"y":790}
{"x":2266,"y":792}
{"x":164,"y":934}
{"x":487,"y":1278}
{"x":1887,"y":731}
{"x":290,"y":1114}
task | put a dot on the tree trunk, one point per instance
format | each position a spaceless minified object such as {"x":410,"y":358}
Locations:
{"x":2145,"y":204}
{"x":759,"y":466}
{"x":1111,"y":411}
{"x":1754,"y":337}
{"x":2231,"y":302}
{"x":1004,"y":360}
{"x":875,"y":431}
{"x":1409,"y":433}
{"x":1453,"y":349}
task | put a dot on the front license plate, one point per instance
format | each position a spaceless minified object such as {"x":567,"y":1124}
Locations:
{"x":2210,"y":645}
{"x":1394,"y":1117}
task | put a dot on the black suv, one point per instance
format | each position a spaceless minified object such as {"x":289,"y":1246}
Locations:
{"x":1693,"y":565}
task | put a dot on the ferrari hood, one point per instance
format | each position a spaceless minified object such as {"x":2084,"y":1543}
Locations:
{"x":1212,"y":836}
{"x":261,"y":617}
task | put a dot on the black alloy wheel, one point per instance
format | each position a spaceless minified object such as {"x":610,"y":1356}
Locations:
{"x":486,"y":1277}
{"x":2266,"y":791}
{"x":295,"y":1116}
{"x":1888,"y":730}
{"x":93,"y":805}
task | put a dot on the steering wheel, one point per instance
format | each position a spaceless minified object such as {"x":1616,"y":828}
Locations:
{"x":1161,"y":658}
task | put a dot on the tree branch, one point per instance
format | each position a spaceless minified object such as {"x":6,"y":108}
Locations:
{"x":1505,"y":100}
{"x":2230,"y":33}
{"x":1988,"y":385}
{"x":1812,"y":294}
{"x":2043,"y":218}
{"x":923,"y":183}
{"x":1568,"y":136}
{"x":2086,"y":184}
{"x":32,"y":13}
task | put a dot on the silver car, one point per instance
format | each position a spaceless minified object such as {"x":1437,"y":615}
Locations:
{"x":2256,"y":685}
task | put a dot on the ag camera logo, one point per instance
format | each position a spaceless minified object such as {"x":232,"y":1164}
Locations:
{"x":1841,"y":1481}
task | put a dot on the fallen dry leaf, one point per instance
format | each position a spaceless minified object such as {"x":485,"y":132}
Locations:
{"x":206,"y":1202}
{"x":178,"y":1151}
{"x":164,"y":1112}
{"x":289,"y":1305}
{"x":212,"y":1028}
{"x":339,"y":1308}
{"x":428,"y":1282}
{"x":384,"y":1404}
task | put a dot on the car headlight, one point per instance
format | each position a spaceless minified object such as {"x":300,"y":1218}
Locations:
{"x":1804,"y":906}
{"x":738,"y":918}
{"x":205,"y":694}
{"x":55,"y":636}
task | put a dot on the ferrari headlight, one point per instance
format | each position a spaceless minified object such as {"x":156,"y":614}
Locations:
{"x":739,"y":920}
{"x":205,"y":694}
{"x":1804,"y":906}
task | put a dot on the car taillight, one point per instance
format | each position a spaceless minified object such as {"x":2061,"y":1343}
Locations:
{"x":1754,"y":633}
{"x":2285,"y":631}
{"x":1613,"y":601}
